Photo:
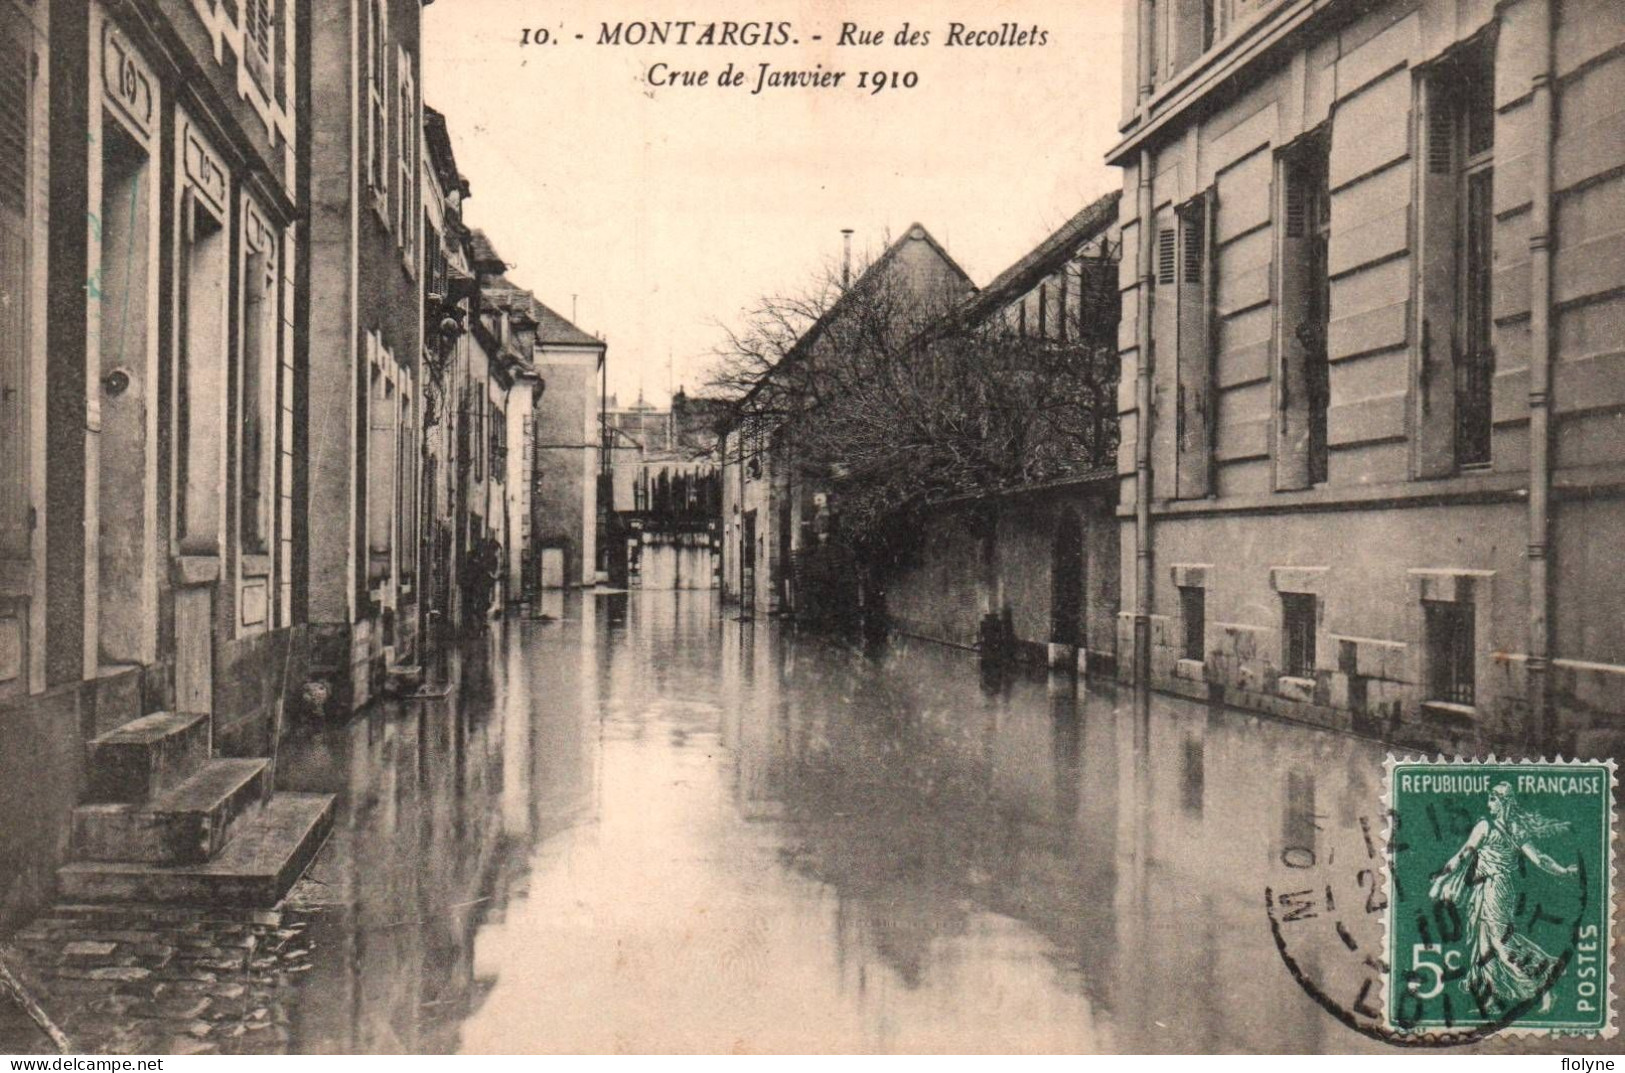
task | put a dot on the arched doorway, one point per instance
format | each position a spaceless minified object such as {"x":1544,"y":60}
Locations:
{"x":1066,"y":579}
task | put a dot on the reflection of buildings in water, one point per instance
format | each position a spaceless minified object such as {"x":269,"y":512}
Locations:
{"x":911,"y":843}
{"x":1228,"y":795}
{"x":1134,"y":838}
{"x":407,"y":876}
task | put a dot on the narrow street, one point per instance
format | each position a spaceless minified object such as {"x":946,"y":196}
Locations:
{"x":648,"y":826}
{"x":695,"y":834}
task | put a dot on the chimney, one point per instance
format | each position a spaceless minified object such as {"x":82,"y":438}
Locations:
{"x":846,"y":258}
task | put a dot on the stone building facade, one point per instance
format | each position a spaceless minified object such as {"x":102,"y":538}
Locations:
{"x":568,"y":452}
{"x":1370,"y":372}
{"x":221,"y":496}
{"x":361,"y":192}
{"x":151,"y":607}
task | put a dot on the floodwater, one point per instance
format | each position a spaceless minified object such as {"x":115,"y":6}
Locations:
{"x":645,"y":825}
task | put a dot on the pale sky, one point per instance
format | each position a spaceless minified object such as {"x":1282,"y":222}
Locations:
{"x":668,"y":210}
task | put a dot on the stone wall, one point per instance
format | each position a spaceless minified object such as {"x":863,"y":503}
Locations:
{"x":999,"y":556}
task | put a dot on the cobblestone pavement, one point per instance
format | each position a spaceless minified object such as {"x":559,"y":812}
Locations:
{"x":136,"y":980}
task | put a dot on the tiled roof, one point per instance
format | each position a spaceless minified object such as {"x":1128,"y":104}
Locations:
{"x":483,"y":253}
{"x":1046,"y":257}
{"x":552,"y":328}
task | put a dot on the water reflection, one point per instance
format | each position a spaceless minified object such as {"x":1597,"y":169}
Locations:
{"x":643,"y":825}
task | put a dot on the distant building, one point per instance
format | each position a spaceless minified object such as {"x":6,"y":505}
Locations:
{"x":450,"y":309}
{"x":568,"y":452}
{"x":1370,"y":372}
{"x":515,"y":387}
{"x":770,"y":499}
{"x":662,"y":525}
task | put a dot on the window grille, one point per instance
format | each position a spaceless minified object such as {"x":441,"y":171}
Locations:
{"x":1450,"y":644}
{"x":1298,"y":628}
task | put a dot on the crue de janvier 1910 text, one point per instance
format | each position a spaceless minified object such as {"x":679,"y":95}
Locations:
{"x":753,"y":76}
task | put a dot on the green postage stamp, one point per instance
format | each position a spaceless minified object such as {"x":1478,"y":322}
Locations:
{"x":1500,"y":880}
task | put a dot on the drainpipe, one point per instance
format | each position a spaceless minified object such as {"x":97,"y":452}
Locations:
{"x":1142,"y":433}
{"x":1542,"y":723}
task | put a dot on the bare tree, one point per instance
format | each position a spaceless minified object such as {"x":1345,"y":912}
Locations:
{"x":896,"y":398}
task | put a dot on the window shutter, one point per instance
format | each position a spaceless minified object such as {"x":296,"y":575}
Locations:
{"x":13,"y":126}
{"x":1165,"y":256}
{"x":1441,"y":129}
{"x":1297,"y":207}
{"x":1193,"y":252}
{"x":15,"y":280}
{"x":257,"y":23}
{"x":1192,"y":431}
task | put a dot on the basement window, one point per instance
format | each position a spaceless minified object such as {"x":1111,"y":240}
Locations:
{"x":1193,"y":616}
{"x":1298,"y":633}
{"x":1450,"y":642}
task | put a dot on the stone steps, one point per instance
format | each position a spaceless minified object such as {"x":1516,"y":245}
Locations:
{"x":185,"y":824}
{"x":164,"y":821}
{"x":266,"y":854}
{"x":146,"y":756}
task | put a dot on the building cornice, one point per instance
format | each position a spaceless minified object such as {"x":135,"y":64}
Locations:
{"x":1176,"y":96}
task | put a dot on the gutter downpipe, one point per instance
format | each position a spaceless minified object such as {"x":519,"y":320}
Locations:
{"x":1542,"y":727}
{"x":1142,"y":432}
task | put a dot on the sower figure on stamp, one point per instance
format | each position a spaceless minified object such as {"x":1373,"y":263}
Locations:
{"x":1507,"y":966}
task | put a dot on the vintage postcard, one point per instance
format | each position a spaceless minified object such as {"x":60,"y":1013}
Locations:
{"x":809,"y":527}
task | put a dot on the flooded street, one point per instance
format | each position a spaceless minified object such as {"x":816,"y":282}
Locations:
{"x":658,"y":828}
{"x":642,"y":825}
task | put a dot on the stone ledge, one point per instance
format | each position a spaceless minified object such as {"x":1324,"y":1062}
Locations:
{"x":1298,"y":579}
{"x":1299,"y":689}
{"x":1190,"y":575}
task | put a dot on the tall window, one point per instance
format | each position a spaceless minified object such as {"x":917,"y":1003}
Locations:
{"x":1154,"y":48}
{"x":1474,"y":108}
{"x":377,"y":97}
{"x":406,"y":144}
{"x":499,"y":444}
{"x":259,"y":361}
{"x":382,"y":445}
{"x":406,"y":496}
{"x":15,"y":281}
{"x":1298,"y":633}
{"x":1456,"y":366}
{"x":200,"y":377}
{"x":1304,"y":311}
